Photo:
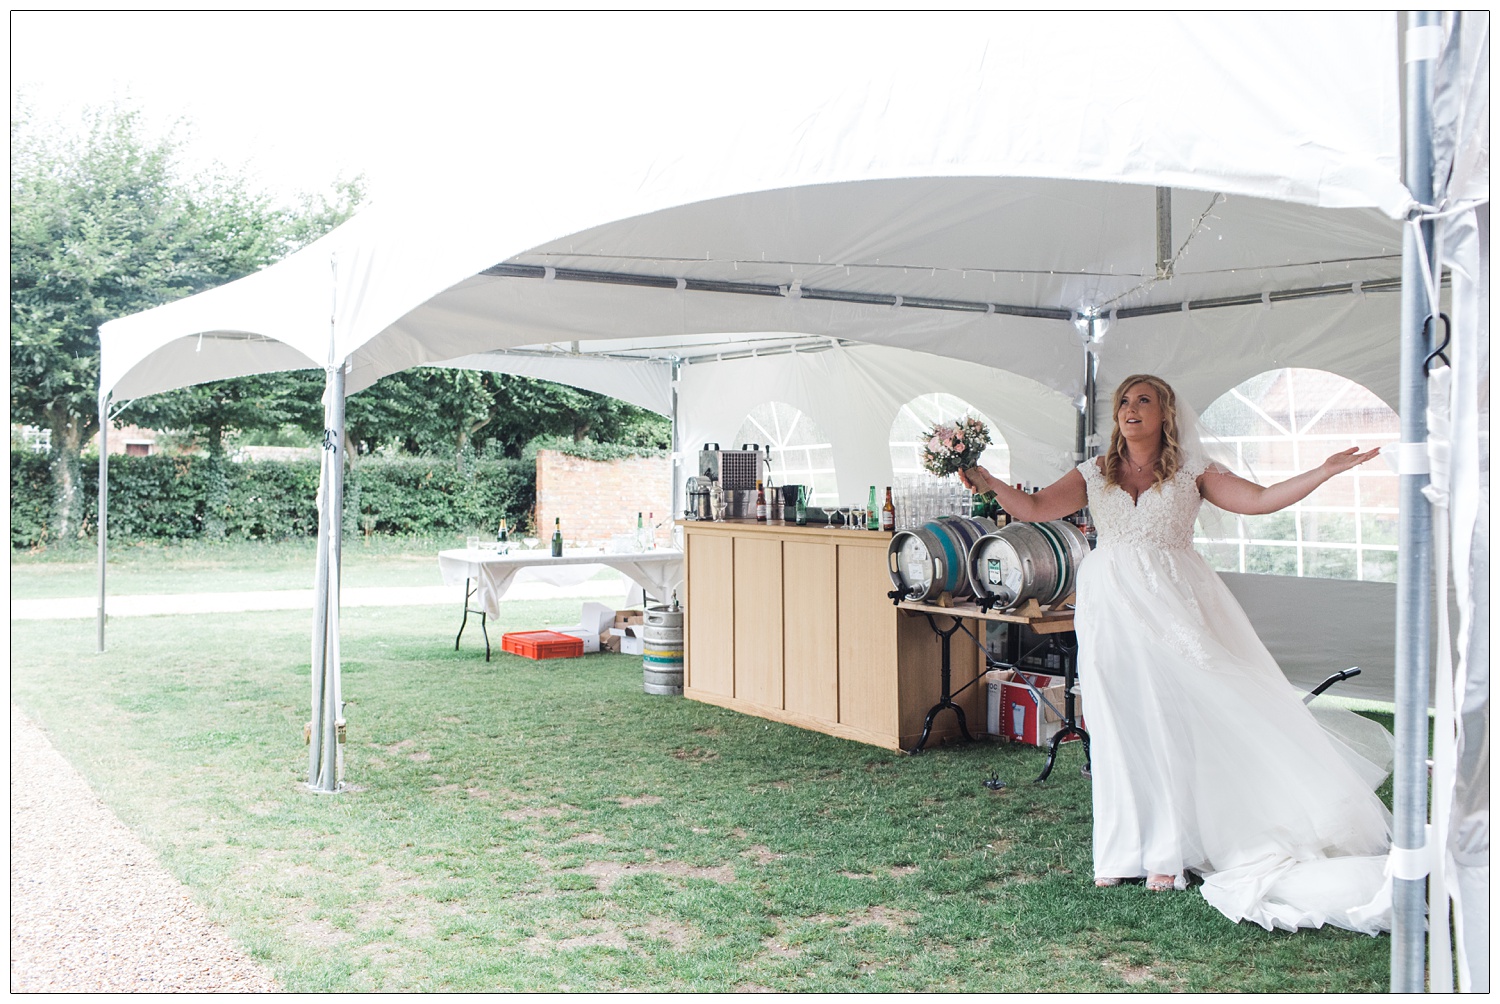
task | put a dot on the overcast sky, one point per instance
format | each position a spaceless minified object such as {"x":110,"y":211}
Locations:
{"x":299,"y":98}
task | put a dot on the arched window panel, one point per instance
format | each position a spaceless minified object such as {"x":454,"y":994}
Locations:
{"x":1286,"y":421}
{"x":919,"y":415}
{"x":800,"y":453}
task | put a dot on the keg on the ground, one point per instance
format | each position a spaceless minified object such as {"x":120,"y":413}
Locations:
{"x":933,"y":559}
{"x":662,"y":641}
{"x":1025,"y":561}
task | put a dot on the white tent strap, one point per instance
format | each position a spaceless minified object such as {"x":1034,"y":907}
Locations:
{"x":1408,"y":458}
{"x":1412,"y":863}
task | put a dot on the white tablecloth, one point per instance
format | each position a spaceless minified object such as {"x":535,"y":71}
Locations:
{"x":659,"y":572}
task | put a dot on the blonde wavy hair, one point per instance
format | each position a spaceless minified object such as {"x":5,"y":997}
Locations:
{"x":1171,"y":458}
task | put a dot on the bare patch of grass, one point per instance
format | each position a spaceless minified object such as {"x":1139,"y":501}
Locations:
{"x":761,"y":854}
{"x":630,"y":803}
{"x":695,"y":755}
{"x":609,"y":872}
{"x":897,"y":921}
{"x":536,"y":812}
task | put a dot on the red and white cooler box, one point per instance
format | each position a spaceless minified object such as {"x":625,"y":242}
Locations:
{"x":1027,"y":707}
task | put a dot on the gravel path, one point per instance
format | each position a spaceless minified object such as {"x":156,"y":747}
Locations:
{"x":91,"y":910}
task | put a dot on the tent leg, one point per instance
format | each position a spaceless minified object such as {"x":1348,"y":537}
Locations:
{"x":103,"y":516}
{"x":1414,"y":581}
{"x":323,"y":773}
{"x":679,"y":500}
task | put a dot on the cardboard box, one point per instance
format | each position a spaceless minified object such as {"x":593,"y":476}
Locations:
{"x":629,"y":618}
{"x":590,"y":638}
{"x":593,"y":624}
{"x":1027,"y":707}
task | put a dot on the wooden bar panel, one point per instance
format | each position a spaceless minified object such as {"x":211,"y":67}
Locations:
{"x":810,"y":619}
{"x":868,"y":692}
{"x":757,"y":616}
{"x":709,"y":642}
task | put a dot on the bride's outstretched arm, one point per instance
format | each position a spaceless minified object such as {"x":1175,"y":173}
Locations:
{"x":1234,"y":494}
{"x":1062,"y":498}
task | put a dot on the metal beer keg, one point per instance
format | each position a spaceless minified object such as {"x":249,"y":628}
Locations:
{"x":1027,"y":561}
{"x":933,"y":559}
{"x":662,"y":643}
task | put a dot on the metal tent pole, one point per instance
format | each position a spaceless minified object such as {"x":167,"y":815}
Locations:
{"x":103,"y":516}
{"x":322,"y":756}
{"x":679,"y":502}
{"x":1414,"y":580}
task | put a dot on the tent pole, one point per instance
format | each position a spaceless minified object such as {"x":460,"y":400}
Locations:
{"x":103,"y":516}
{"x":678,"y":500}
{"x":322,"y":757}
{"x":1089,"y":417}
{"x":1414,"y":579}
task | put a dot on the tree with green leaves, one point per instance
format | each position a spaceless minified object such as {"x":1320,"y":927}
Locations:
{"x":437,"y":411}
{"x":104,"y":225}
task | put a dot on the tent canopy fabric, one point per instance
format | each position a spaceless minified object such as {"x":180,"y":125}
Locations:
{"x":1006,"y":159}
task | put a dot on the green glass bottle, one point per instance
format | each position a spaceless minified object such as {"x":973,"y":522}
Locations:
{"x":504,"y":536}
{"x":557,"y":537}
{"x":801,"y":505}
{"x":872,"y":512}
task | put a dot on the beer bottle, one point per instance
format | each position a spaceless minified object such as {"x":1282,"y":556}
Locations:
{"x":557,"y":537}
{"x":888,"y":513}
{"x":872,"y":512}
{"x":760,"y":501}
{"x":801,"y":505}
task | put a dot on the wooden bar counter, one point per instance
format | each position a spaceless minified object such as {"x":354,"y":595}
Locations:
{"x":793,"y":624}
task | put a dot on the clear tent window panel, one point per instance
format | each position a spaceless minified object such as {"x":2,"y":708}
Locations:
{"x":919,"y":415}
{"x":800,"y":453}
{"x":1280,"y":423}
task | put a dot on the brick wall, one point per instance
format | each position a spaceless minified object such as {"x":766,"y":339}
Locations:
{"x":596,"y":500}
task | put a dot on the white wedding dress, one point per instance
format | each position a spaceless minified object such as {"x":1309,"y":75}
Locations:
{"x":1205,"y":758}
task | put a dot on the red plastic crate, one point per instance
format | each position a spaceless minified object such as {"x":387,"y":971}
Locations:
{"x":542,"y":644}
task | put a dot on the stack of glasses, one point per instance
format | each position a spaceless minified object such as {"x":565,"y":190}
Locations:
{"x":922,"y":497}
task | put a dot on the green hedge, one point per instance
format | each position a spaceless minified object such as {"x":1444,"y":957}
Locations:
{"x":166,"y":497}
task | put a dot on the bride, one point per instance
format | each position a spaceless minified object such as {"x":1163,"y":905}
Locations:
{"x":1205,"y":759}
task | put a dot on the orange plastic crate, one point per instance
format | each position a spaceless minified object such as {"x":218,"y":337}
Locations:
{"x":542,"y":644}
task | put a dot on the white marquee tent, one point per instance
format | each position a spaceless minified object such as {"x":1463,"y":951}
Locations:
{"x":1013,"y":207}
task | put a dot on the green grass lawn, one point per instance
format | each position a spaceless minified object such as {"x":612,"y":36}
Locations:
{"x":546,"y":826}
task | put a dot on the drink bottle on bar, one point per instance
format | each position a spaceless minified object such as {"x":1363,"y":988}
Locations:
{"x":760,"y":501}
{"x":801,"y":505}
{"x":640,"y":533}
{"x":651,"y":529}
{"x":557,"y":537}
{"x":504,"y":535}
{"x":888,"y":513}
{"x":872,"y":512}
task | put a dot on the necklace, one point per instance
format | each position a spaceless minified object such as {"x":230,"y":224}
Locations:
{"x":1138,"y":468}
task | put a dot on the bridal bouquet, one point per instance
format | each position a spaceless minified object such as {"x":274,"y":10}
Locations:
{"x":956,"y":447}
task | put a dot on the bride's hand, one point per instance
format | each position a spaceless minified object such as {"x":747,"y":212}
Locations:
{"x":973,"y":484}
{"x":1346,"y":460}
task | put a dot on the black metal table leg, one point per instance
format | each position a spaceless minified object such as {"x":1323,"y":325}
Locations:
{"x":946,"y":699}
{"x":469,"y":591}
{"x":1069,"y":726}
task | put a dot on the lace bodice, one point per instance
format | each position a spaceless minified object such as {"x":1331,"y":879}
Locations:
{"x":1162,"y":518}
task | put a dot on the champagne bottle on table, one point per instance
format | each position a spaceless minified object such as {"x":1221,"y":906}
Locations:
{"x":760,"y":501}
{"x":557,"y":537}
{"x":801,"y":505}
{"x":888,"y":513}
{"x":504,"y":534}
{"x":872,"y":512}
